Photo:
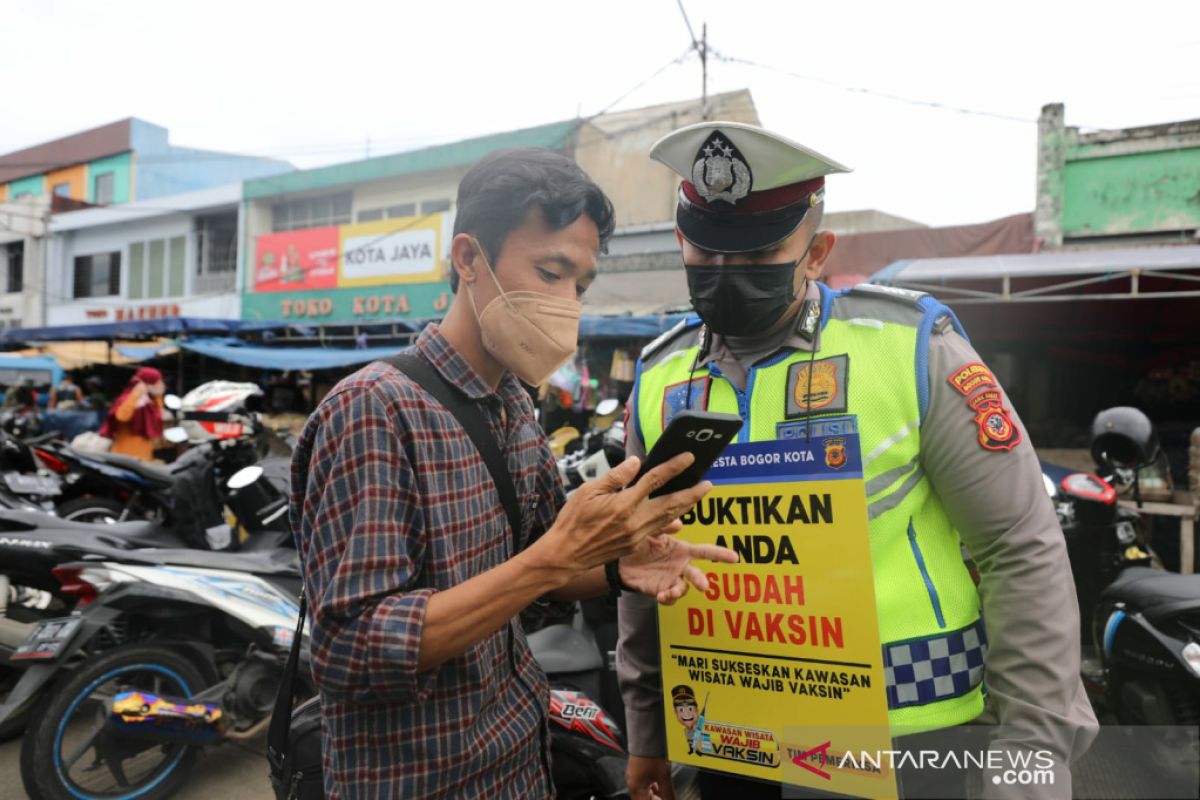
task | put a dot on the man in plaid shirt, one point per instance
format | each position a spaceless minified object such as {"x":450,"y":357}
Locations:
{"x":428,"y":688}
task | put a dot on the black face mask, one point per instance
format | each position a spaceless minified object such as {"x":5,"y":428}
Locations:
{"x":741,"y":299}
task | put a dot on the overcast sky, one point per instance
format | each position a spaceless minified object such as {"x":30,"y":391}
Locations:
{"x":312,"y":82}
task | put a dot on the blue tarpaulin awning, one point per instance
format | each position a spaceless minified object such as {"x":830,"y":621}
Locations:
{"x":39,"y":370}
{"x":132,"y":329}
{"x":286,"y":358}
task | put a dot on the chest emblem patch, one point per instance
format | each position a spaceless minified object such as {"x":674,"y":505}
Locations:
{"x":818,"y":388}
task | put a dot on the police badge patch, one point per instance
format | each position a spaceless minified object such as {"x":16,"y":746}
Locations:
{"x":997,"y":431}
{"x":685,"y":394}
{"x":835,"y":453}
{"x":821,"y":392}
{"x":720,"y":172}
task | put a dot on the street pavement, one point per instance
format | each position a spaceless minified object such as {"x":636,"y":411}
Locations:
{"x":225,"y":772}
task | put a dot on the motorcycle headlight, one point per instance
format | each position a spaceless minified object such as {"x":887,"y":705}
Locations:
{"x":1191,"y":654}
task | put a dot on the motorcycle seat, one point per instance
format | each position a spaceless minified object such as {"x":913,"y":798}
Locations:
{"x":279,"y":561}
{"x":153,"y":472}
{"x":135,"y":533}
{"x":1154,"y":592}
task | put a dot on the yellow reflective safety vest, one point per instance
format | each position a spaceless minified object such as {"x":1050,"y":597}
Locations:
{"x":870,"y":375}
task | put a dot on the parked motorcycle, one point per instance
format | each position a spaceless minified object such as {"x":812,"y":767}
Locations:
{"x":27,"y":484}
{"x":170,"y":650}
{"x":218,"y":418}
{"x":597,"y":450}
{"x":1143,"y":667}
{"x":34,"y":545}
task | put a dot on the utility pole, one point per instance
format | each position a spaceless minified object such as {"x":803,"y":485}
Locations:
{"x":704,"y":71}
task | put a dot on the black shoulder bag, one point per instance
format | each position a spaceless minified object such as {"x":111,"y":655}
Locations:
{"x":294,"y":738}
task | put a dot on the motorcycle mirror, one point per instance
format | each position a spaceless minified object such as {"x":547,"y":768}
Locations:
{"x":175,"y":435}
{"x":172,"y":402}
{"x":606,"y":407}
{"x":1049,"y":484}
{"x":244,"y":477}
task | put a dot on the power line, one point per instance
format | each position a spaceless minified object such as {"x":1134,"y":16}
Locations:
{"x":872,"y":92}
{"x":688,"y":22}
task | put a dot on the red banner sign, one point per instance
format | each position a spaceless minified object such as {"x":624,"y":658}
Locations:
{"x":305,"y":259}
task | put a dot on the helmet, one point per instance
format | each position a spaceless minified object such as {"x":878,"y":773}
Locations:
{"x":1123,"y":437}
{"x":235,"y":402}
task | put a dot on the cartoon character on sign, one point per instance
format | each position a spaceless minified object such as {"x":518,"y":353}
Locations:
{"x":686,"y":711}
{"x":835,"y":453}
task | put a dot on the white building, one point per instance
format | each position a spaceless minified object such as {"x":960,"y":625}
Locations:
{"x":172,"y":256}
{"x":22,"y":243}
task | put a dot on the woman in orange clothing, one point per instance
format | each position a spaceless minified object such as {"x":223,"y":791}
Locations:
{"x":135,"y":421}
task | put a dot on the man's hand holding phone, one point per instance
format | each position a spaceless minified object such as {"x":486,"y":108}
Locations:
{"x":603,"y":520}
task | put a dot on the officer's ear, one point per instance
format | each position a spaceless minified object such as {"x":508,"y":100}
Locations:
{"x":818,"y":254}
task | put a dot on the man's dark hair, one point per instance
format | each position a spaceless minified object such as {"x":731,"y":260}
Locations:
{"x":497,"y":194}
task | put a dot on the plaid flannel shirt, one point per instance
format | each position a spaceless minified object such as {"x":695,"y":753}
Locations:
{"x":391,"y":503}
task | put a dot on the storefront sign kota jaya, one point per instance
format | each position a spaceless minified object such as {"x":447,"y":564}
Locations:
{"x":383,"y":269}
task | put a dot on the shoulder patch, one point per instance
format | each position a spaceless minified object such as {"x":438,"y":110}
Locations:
{"x":997,"y":431}
{"x":905,"y":296}
{"x":660,"y":344}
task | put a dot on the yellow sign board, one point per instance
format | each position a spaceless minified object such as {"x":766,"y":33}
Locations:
{"x":776,"y":672}
{"x":391,"y":251}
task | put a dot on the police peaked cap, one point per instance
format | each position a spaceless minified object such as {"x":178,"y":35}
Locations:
{"x":744,"y":188}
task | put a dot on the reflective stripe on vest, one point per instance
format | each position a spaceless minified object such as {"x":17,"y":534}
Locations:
{"x":867,"y":368}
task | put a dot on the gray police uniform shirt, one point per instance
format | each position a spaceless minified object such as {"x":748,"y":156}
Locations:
{"x":997,"y":501}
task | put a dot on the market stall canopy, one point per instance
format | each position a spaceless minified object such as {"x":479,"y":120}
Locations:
{"x":286,"y":358}
{"x":38,"y":370}
{"x":138,"y":329}
{"x":640,"y":327}
{"x":84,"y":353}
{"x":1118,"y":274}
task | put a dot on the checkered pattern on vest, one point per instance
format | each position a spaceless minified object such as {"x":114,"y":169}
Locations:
{"x":925,"y":670}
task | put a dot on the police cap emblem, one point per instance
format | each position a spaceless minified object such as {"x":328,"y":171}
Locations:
{"x":720,"y":172}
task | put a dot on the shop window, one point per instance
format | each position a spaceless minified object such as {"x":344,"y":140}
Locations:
{"x":98,"y":275}
{"x":402,"y":210}
{"x":312,"y":212}
{"x":14,"y":269}
{"x":216,"y":253}
{"x":370,"y":215}
{"x":157,"y":268}
{"x":435,"y":206}
{"x":103,"y":186}
{"x":62,"y":190}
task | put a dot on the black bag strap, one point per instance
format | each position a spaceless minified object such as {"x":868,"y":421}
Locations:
{"x":469,"y":416}
{"x":281,"y":716}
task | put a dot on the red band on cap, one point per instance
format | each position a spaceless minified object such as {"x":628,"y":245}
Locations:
{"x":769,"y":200}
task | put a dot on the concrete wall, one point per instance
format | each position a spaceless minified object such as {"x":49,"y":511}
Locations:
{"x":121,"y":168}
{"x":35,"y":185}
{"x":24,"y":220}
{"x":75,"y":177}
{"x":161,"y":169}
{"x":1108,"y":185}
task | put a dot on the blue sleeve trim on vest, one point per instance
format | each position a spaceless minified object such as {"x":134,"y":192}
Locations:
{"x":932,"y":311}
{"x":634,"y":419}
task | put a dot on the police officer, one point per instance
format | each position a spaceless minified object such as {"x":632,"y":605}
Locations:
{"x":945,"y":458}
